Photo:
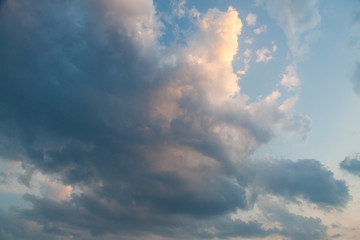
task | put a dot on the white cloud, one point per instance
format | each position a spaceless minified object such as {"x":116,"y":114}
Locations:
{"x":251,"y":19}
{"x":289,"y":103}
{"x":246,"y":61}
{"x":55,"y":190}
{"x":290,"y":79}
{"x":260,"y":30}
{"x":298,"y":19}
{"x":179,"y":8}
{"x":263,"y":55}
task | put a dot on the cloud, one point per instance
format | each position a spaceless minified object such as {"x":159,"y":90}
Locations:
{"x":251,"y":19}
{"x":3,"y":178}
{"x":306,"y":178}
{"x":274,"y":48}
{"x":263,"y":55}
{"x":53,"y":189}
{"x":134,"y":138}
{"x":295,"y":227}
{"x":290,"y":79}
{"x":260,"y":30}
{"x":351,"y":164}
{"x":246,"y":61}
{"x":297,"y":19}
{"x":179,"y":8}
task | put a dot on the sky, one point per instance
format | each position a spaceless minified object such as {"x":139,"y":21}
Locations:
{"x":166,"y":120}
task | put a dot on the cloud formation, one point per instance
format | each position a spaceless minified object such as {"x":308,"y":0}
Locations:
{"x":297,"y":19}
{"x":251,"y":19}
{"x":351,"y":164}
{"x":263,"y":55}
{"x":306,"y":178}
{"x":290,"y":79}
{"x":137,"y":139}
{"x":260,"y":29}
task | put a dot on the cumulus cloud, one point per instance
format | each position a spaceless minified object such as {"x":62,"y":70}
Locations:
{"x":263,"y":55}
{"x":306,"y":178}
{"x":154,"y":147}
{"x":351,"y":164}
{"x":290,"y":79}
{"x":251,"y":19}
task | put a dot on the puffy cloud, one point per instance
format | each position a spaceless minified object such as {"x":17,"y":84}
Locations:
{"x":351,"y":164}
{"x":307,"y":179}
{"x":54,"y":190}
{"x":263,"y":55}
{"x":251,"y":19}
{"x":290,"y":79}
{"x":153,"y":146}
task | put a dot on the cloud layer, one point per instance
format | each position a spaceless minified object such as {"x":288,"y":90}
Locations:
{"x":138,"y":139}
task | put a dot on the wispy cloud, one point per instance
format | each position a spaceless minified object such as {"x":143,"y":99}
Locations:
{"x":260,"y":29}
{"x":299,"y":20}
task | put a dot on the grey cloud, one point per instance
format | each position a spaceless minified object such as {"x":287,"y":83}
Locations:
{"x":351,"y":165}
{"x":304,"y":178}
{"x":26,"y":177}
{"x":14,"y":227}
{"x":76,"y":102}
{"x":3,"y":178}
{"x":101,"y":218}
{"x":294,"y":226}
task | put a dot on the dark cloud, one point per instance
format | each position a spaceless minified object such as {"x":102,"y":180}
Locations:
{"x":304,"y":178}
{"x":77,"y":102}
{"x":106,"y":219}
{"x":13,"y":227}
{"x":351,"y":165}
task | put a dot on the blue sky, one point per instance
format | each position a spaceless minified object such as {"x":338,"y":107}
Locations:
{"x":179,"y":119}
